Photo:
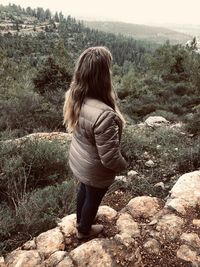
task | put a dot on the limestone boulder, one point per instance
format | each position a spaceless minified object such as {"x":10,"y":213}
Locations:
{"x":91,"y":253}
{"x":152,"y":246}
{"x":185,"y":193}
{"x":191,"y":239}
{"x":156,"y":121}
{"x":68,"y":225}
{"x":55,"y":258}
{"x":106,"y":212}
{"x":2,"y":262}
{"x":143,"y":207}
{"x":50,"y":241}
{"x":187,"y":254}
{"x":126,"y":225}
{"x":170,"y":226}
{"x":22,"y":258}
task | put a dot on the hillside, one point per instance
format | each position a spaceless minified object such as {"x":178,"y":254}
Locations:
{"x":158,"y":88}
{"x":140,"y":32}
{"x":39,"y":25}
{"x":191,"y":29}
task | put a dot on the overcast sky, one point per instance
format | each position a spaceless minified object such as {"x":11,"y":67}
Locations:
{"x":135,"y":11}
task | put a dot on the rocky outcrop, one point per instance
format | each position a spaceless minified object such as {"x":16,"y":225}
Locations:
{"x":63,"y":137}
{"x":146,"y":232}
{"x":156,"y":121}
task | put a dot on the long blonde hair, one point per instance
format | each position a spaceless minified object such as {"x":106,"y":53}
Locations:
{"x":92,"y":78}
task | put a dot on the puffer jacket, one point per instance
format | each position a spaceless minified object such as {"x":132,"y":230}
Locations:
{"x":94,"y":155}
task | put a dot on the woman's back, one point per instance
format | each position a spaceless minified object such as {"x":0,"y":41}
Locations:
{"x":89,"y":147}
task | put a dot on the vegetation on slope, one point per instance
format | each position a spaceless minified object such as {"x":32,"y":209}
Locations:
{"x":37,"y":55}
{"x":140,"y":32}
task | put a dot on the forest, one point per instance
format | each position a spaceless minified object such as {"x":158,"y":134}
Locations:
{"x":38,"y":51}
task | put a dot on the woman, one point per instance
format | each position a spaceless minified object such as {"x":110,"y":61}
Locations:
{"x":91,"y":114}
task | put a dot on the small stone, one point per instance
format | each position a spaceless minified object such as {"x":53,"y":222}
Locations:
{"x":132,"y":173}
{"x":160,"y":184}
{"x":126,"y":225}
{"x":29,"y":245}
{"x":68,"y":241}
{"x":192,"y":239}
{"x":152,"y":246}
{"x":149,"y":163}
{"x":121,"y":178}
{"x":125,"y":239}
{"x":185,"y":253}
{"x":146,"y":155}
{"x":106,"y":212}
{"x":196,"y":222}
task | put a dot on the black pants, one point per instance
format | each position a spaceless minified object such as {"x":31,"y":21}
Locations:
{"x":88,"y":201}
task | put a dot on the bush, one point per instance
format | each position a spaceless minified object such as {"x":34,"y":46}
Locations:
{"x":136,"y":140}
{"x":35,"y":213}
{"x":193,"y":125}
{"x":31,"y":165}
{"x":189,"y":157}
{"x":182,"y":89}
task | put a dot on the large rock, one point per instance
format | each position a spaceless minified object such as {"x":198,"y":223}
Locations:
{"x":68,"y":225}
{"x":92,"y":254}
{"x":191,"y":239}
{"x":106,"y":212}
{"x":143,"y":207}
{"x":23,"y":258}
{"x":144,"y":228}
{"x":55,"y":258}
{"x":126,"y":225}
{"x":50,"y":241}
{"x":185,"y":193}
{"x":187,"y":254}
{"x":170,"y":226}
{"x":155,"y":121}
{"x":2,"y":262}
{"x":64,"y":137}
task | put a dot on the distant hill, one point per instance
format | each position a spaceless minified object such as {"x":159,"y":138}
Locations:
{"x":190,"y":29}
{"x":141,"y":32}
{"x":35,"y":33}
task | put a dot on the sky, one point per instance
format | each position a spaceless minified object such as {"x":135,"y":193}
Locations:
{"x":134,"y":11}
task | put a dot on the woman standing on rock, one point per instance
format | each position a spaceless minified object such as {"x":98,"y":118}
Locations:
{"x":91,"y":114}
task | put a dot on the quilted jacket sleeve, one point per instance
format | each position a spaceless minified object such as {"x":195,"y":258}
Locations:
{"x":107,"y":132}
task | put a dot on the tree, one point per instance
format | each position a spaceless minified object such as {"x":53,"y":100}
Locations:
{"x":56,"y":18}
{"x":47,"y":14}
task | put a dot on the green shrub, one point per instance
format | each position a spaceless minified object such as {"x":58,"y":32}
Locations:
{"x":181,"y":89}
{"x":42,"y":207}
{"x":136,"y":140}
{"x":34,"y":164}
{"x":193,"y":125}
{"x":37,"y":212}
{"x":189,"y":157}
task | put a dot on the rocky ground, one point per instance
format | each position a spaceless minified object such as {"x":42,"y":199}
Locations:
{"x":147,"y":231}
